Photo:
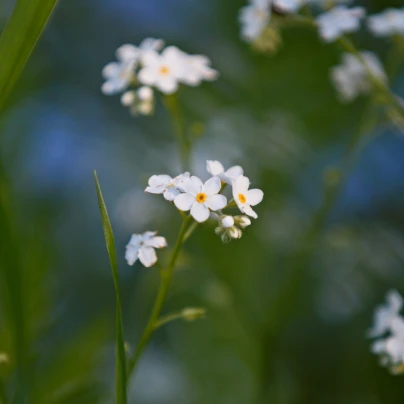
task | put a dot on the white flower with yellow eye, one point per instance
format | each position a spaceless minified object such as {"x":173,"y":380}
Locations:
{"x":216,"y":168}
{"x":244,"y":197}
{"x":141,"y":246}
{"x":200,"y":198}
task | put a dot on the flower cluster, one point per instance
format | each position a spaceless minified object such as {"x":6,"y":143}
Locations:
{"x":388,"y":326}
{"x":205,"y":200}
{"x":351,"y":77}
{"x":147,"y":67}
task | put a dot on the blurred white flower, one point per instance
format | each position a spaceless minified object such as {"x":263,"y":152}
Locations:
{"x":119,"y":75}
{"x":254,"y":18}
{"x":338,"y":21}
{"x":351,"y":78}
{"x":199,"y":197}
{"x":289,"y":6}
{"x":164,"y":184}
{"x":391,"y":348}
{"x":141,"y":246}
{"x":244,"y":197}
{"x":216,"y":168}
{"x":385,"y":314}
{"x":164,"y":70}
{"x":151,"y":44}
{"x":389,"y":22}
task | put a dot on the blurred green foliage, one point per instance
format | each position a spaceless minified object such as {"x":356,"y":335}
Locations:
{"x":277,"y":116}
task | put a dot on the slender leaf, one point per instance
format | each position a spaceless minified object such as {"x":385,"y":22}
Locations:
{"x":18,"y":40}
{"x":120,"y":347}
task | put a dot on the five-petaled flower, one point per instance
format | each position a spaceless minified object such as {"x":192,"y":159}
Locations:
{"x":389,"y":22}
{"x":164,"y":184}
{"x":244,"y":197}
{"x":216,"y":168}
{"x":254,"y":18}
{"x":199,"y":198}
{"x":141,"y":246}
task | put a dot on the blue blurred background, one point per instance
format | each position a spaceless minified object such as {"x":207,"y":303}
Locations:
{"x":278,"y":116}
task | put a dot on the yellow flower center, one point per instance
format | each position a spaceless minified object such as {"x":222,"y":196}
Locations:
{"x":201,"y":197}
{"x":242,"y":198}
{"x":164,"y":70}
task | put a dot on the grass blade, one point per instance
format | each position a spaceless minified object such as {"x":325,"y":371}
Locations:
{"x":120,"y":347}
{"x":18,"y":40}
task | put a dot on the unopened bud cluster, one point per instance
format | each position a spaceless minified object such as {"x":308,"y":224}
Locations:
{"x":230,"y":227}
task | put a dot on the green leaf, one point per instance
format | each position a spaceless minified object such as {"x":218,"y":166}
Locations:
{"x":18,"y":40}
{"x":120,"y":343}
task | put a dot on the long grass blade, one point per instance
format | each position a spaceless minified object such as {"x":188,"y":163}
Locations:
{"x":18,"y":39}
{"x":120,"y":347}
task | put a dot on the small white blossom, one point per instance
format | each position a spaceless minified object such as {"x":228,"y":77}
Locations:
{"x":151,"y":44}
{"x":389,"y":22}
{"x":254,"y":18}
{"x":391,"y":349}
{"x":140,"y":101}
{"x":169,"y":187}
{"x":385,"y":314}
{"x":351,"y":78}
{"x":119,"y":75}
{"x":242,"y":221}
{"x":199,"y":198}
{"x":164,"y":70}
{"x":338,"y":21}
{"x":244,"y":197}
{"x":289,"y":6}
{"x":216,"y":168}
{"x":141,"y":246}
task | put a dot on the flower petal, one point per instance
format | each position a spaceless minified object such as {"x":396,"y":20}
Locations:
{"x":158,"y":180}
{"x":157,"y":242}
{"x":167,"y":85}
{"x":200,"y":212}
{"x":131,"y":254}
{"x":240,"y":185}
{"x":184,"y":201}
{"x":147,"y":256}
{"x":214,"y":167}
{"x":170,"y":193}
{"x":147,"y":75}
{"x":111,"y":70}
{"x":212,"y":186}
{"x":234,"y":172}
{"x":193,"y":185}
{"x":216,"y":202}
{"x":254,"y":196}
{"x":248,"y":211}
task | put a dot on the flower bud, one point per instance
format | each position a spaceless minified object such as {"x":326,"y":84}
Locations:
{"x":227,"y":221}
{"x":220,"y":230}
{"x":193,"y":313}
{"x":128,"y":98}
{"x":242,"y":221}
{"x":234,"y":232}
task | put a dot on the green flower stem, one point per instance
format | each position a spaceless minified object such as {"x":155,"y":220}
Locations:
{"x":167,"y":319}
{"x":166,"y":278}
{"x":184,"y":145}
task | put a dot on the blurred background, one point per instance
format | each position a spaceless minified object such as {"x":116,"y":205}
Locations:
{"x":265,"y":339}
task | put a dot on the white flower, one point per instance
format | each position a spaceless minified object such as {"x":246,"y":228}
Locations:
{"x":391,"y":348}
{"x":164,"y":70}
{"x":118,"y":75}
{"x":254,"y":18}
{"x":351,"y":78}
{"x":389,"y":22}
{"x":244,"y":197}
{"x":151,"y":44}
{"x":197,"y":69}
{"x":216,"y":168}
{"x":199,"y":198}
{"x":142,"y":246}
{"x":385,"y":314}
{"x":164,"y":184}
{"x":338,"y":21}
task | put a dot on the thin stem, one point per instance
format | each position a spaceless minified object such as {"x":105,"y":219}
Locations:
{"x":167,"y":319}
{"x":166,"y":277}
{"x":184,"y":145}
